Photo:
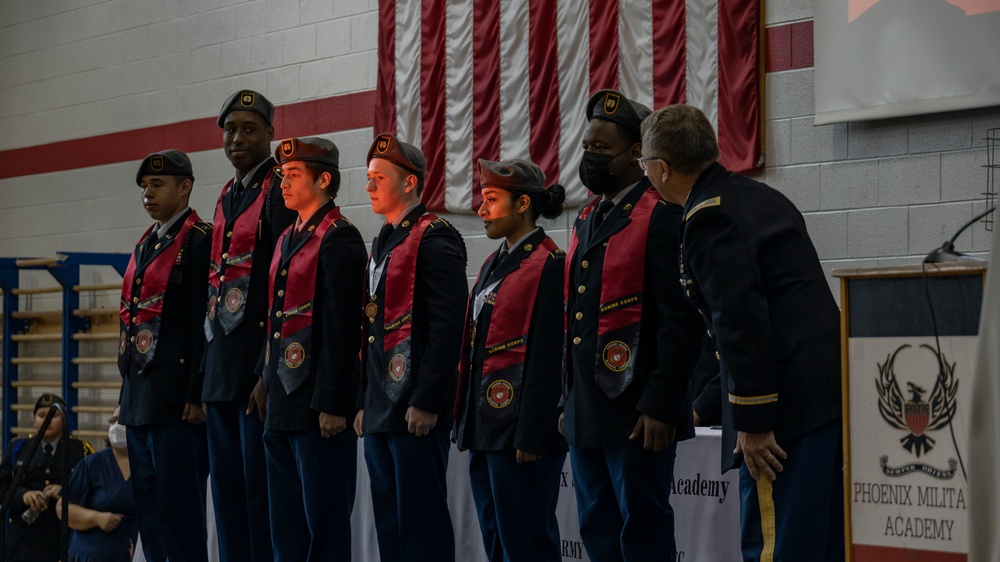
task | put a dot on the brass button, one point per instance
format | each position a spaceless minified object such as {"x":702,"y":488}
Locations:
{"x":284,"y":272}
{"x":229,"y":234}
{"x":577,"y":340}
{"x":687,"y":294}
{"x":277,"y":314}
{"x":261,"y":324}
{"x":133,"y":339}
{"x":218,"y":298}
{"x":225,"y":255}
{"x":579,"y":316}
{"x":135,"y":300}
{"x":717,"y":358}
{"x":277,"y":335}
{"x":222,"y":278}
{"x":138,"y":281}
{"x":585,"y":264}
{"x":371,"y":339}
{"x":581,"y":289}
{"x":281,"y":292}
{"x":135,"y":320}
{"x":709,"y":332}
{"x":182,"y":360}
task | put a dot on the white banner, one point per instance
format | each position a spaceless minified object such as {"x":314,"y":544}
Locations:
{"x":888,"y":58}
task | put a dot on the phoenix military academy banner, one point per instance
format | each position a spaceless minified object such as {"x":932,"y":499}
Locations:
{"x":469,"y":79}
{"x":907,"y":410}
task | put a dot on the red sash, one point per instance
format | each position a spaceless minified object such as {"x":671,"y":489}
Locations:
{"x":622,"y":279}
{"x":142,"y":298}
{"x":233,"y":244}
{"x":505,"y":342}
{"x":296,"y":306}
{"x":400,"y":282}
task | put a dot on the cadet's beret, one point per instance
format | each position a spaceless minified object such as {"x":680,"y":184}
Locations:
{"x":164,"y":163}
{"x":399,"y":153}
{"x":308,"y":149}
{"x":612,"y":106}
{"x":247,"y":100}
{"x":46,"y":400}
{"x":519,"y":175}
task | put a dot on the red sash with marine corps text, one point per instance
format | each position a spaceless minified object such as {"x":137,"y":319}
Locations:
{"x":505,"y":343}
{"x":400,"y":284}
{"x":294,"y":324}
{"x":620,"y":311}
{"x":142,"y":297}
{"x":233,"y":245}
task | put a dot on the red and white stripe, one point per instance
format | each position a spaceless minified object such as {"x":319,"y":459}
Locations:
{"x":500,"y":79}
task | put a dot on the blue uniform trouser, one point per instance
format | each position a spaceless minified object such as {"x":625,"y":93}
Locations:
{"x":236,"y":457}
{"x":410,"y":495}
{"x":623,"y":500}
{"x":169,"y":473}
{"x":799,"y":516}
{"x":516,"y":504}
{"x":311,"y":483}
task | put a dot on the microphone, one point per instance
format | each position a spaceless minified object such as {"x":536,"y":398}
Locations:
{"x":947,"y":251}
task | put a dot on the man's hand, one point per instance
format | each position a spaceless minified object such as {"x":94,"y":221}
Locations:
{"x":525,"y":456}
{"x":258,"y":400}
{"x":657,"y":435}
{"x":108,"y":521}
{"x":358,"y":420}
{"x":420,"y":422}
{"x":330,"y":425}
{"x":193,"y":413}
{"x":761,"y":454}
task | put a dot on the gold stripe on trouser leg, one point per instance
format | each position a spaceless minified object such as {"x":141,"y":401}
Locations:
{"x":765,"y":501}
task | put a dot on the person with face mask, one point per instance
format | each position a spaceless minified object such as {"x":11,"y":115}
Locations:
{"x":32,"y":529}
{"x":101,"y":508}
{"x":625,"y":407}
{"x":509,"y":382}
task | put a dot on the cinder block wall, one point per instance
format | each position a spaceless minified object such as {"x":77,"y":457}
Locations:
{"x":873,"y":193}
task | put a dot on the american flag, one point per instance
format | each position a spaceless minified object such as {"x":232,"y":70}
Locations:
{"x":469,"y":79}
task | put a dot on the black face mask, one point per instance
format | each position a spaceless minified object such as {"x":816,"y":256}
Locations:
{"x":595,"y":171}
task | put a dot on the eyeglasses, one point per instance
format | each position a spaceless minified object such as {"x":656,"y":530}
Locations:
{"x":643,"y":162}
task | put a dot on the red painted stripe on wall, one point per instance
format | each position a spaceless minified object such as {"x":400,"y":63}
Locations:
{"x":330,"y":115}
{"x":789,"y":46}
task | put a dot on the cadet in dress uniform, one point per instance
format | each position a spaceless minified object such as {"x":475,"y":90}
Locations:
{"x":249,"y":217}
{"x":310,"y":360}
{"x":509,"y":381}
{"x":749,"y":265}
{"x":415,"y":317}
{"x":627,"y":401}
{"x":159,"y":355}
{"x":41,"y":485}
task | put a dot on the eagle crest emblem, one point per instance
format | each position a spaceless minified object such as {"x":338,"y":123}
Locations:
{"x":916,"y":415}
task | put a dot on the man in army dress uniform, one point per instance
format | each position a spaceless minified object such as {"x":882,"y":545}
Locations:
{"x":415,"y":315}
{"x":159,"y":357}
{"x":250,"y":215}
{"x":748,"y":264}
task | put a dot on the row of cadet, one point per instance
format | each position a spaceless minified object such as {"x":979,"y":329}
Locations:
{"x":301,"y":342}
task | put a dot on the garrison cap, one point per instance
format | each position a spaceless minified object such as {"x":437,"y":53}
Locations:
{"x":308,"y":149}
{"x":402,"y":154}
{"x":612,"y":105}
{"x":164,"y":163}
{"x":517,"y":175}
{"x":46,"y":400}
{"x":247,"y":100}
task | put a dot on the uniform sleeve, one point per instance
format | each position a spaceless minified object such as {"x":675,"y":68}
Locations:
{"x":721,"y":255}
{"x":680,"y":331}
{"x":706,"y":387}
{"x":197,"y":280}
{"x":541,"y":392}
{"x":7,"y":478}
{"x":441,"y":284}
{"x":337,"y":333}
